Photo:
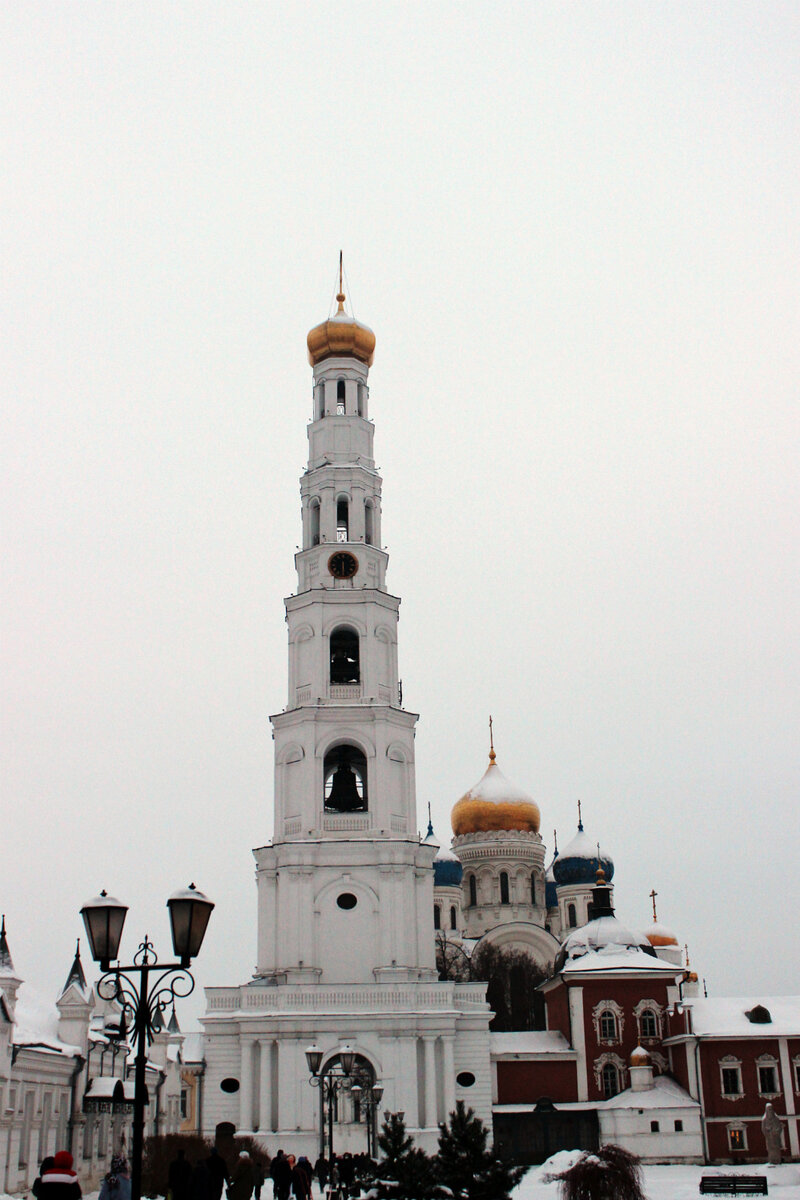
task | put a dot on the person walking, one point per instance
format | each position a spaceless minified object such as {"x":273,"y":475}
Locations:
{"x":116,"y":1184}
{"x":321,"y":1172}
{"x":218,"y":1173}
{"x":242,"y":1182}
{"x":281,"y":1174}
{"x":300,"y":1188}
{"x":60,"y":1182}
{"x":179,"y":1177}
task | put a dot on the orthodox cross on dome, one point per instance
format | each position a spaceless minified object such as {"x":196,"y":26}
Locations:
{"x":580,"y":822}
{"x":340,"y":296}
{"x":686,"y":952}
{"x":555,"y":842}
{"x":653,"y":895}
{"x":430,"y":822}
{"x":492,"y":755}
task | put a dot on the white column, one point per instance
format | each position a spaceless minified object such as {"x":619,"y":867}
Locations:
{"x":449,"y":1077}
{"x":579,"y":1039}
{"x":246,"y":1087}
{"x":265,"y":1086}
{"x":430,"y":1081}
{"x":788,"y":1096}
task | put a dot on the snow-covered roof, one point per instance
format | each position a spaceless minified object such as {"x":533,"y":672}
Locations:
{"x":604,"y":934}
{"x":102,"y":1087}
{"x":612,"y":959}
{"x":665,"y":1093}
{"x":727,"y":1016}
{"x":549,"y":1041}
{"x":36,"y":1023}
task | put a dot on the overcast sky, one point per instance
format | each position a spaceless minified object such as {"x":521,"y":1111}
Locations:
{"x":574,"y":230}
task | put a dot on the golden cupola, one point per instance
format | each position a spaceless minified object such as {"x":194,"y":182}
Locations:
{"x":494,"y":804}
{"x":341,"y":336}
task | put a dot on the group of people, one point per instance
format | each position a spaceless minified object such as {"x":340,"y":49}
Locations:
{"x":292,"y":1178}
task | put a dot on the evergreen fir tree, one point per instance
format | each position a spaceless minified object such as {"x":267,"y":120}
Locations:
{"x":466,"y":1165}
{"x":404,"y":1172}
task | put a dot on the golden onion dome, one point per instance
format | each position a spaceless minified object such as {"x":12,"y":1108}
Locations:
{"x":495,"y":804}
{"x":659,"y":935}
{"x":341,"y":336}
{"x":639,"y":1057}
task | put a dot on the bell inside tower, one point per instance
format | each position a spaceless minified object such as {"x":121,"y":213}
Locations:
{"x":345,"y":775}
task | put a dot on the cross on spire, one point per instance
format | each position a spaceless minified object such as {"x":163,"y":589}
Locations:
{"x":430,"y":822}
{"x":580,"y":822}
{"x":340,"y":296}
{"x":653,"y":895}
{"x":492,"y":755}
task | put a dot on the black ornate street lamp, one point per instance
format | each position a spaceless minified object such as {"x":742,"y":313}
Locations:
{"x":334,"y":1081}
{"x":145,"y":986}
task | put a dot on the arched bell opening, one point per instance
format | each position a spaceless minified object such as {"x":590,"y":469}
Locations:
{"x":345,"y":656}
{"x":345,"y":780}
{"x":340,"y":398}
{"x":314,"y":512}
{"x":342,"y":519}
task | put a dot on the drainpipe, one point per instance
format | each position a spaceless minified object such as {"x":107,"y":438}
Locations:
{"x":80,"y":1063}
{"x":703,"y":1129}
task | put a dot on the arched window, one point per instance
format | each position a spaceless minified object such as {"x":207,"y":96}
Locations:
{"x":342,"y":519}
{"x":315,"y":522}
{"x":608,"y":1027}
{"x":648,"y":1024}
{"x":360,"y":400}
{"x":452,"y":916}
{"x":369,"y":523}
{"x":345,"y":775}
{"x":572,"y":919}
{"x":504,"y":888}
{"x":345,"y":664}
{"x":533,"y":889}
{"x":437,"y":917}
{"x":340,"y":398}
{"x":319,"y":402}
{"x":473,"y":891}
{"x":610,"y":1079}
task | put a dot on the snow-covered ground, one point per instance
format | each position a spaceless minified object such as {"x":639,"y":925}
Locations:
{"x":664,"y":1182}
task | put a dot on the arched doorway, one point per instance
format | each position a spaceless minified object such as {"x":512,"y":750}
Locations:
{"x":348,"y":1113}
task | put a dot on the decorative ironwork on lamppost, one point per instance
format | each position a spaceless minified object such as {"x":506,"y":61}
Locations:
{"x":336,"y":1080}
{"x":146,"y":985}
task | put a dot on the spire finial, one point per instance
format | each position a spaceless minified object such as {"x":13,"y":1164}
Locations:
{"x":686,"y":952}
{"x":430,"y":822}
{"x":492,"y":755}
{"x":653,"y":895}
{"x":555,"y":843}
{"x":580,"y":822}
{"x":340,"y":296}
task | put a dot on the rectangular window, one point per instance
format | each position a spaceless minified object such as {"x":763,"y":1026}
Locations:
{"x":184,"y":1104}
{"x":797,"y":1076}
{"x":679,"y":1126}
{"x":767,"y":1081}
{"x":654,"y":1127}
{"x":736,"y":1139}
{"x":731,"y":1081}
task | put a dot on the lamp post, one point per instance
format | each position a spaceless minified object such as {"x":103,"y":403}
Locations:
{"x":335,"y":1081}
{"x":144,"y":986}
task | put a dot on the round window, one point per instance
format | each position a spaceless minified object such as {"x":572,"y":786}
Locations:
{"x":465,"y":1079}
{"x":230,"y":1085}
{"x":346,"y":900}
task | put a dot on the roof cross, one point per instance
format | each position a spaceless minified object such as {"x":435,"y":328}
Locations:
{"x":653,"y":895}
{"x":492,"y":755}
{"x":580,"y":822}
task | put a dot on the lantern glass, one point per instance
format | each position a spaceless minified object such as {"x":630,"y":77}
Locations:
{"x":347,"y":1056}
{"x":189,"y":912}
{"x":377,"y":1093}
{"x":314,"y":1059}
{"x":104,"y":918}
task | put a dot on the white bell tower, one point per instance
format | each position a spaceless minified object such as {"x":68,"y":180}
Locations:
{"x":346,"y":852}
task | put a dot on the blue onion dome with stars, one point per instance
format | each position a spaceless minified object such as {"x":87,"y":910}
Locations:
{"x":580,"y":860}
{"x":447,"y":868}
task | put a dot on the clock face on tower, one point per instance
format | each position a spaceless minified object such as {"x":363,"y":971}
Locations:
{"x":342,"y":565}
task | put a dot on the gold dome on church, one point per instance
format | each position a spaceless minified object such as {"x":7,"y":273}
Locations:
{"x":495,"y":804}
{"x":341,"y":336}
